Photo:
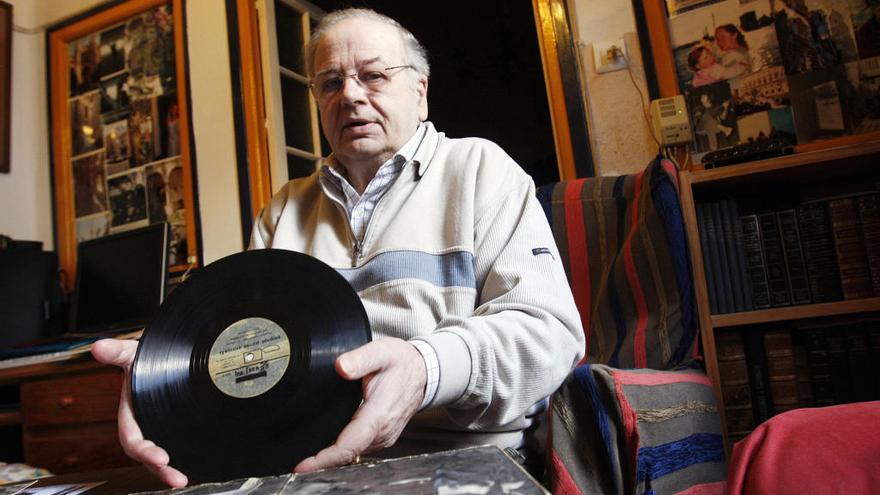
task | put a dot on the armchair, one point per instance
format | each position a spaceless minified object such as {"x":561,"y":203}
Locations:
{"x":638,"y":416}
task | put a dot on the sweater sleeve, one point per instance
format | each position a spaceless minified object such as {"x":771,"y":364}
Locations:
{"x":525,"y":334}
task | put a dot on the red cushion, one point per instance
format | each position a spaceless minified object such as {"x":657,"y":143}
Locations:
{"x":815,"y":450}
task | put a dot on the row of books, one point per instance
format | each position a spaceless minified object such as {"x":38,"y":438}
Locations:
{"x":766,"y":370}
{"x":818,"y":251}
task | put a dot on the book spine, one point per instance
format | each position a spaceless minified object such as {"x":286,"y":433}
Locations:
{"x":819,"y":254}
{"x":771,"y":242}
{"x":730,"y":217}
{"x":795,"y":268}
{"x":820,"y":368}
{"x":781,"y":371}
{"x":755,"y":261}
{"x":741,"y":255}
{"x":735,"y":389}
{"x":802,"y":374}
{"x":852,"y":259}
{"x":859,"y":358}
{"x":869,"y":214}
{"x":759,"y":379}
{"x":841,"y":381}
{"x":726,"y":292}
{"x":703,"y":220}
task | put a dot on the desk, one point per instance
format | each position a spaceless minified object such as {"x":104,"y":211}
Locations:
{"x":67,"y":414}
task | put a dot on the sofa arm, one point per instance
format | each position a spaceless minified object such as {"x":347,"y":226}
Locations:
{"x":633,"y":431}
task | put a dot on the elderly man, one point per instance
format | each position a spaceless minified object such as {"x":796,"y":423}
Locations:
{"x":473,"y":321}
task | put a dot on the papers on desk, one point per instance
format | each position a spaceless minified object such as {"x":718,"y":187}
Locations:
{"x":59,"y":350}
{"x":483,"y":469}
{"x":70,"y":489}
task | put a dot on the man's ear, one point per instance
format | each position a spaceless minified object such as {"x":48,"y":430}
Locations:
{"x":422,"y":90}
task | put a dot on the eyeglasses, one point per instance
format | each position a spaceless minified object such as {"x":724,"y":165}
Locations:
{"x":326,"y":85}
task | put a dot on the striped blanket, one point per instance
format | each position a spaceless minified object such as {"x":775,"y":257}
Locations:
{"x":623,"y":244}
{"x":620,"y":424}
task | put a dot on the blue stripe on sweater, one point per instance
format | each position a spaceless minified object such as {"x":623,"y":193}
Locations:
{"x":455,"y":269}
{"x":660,"y":460}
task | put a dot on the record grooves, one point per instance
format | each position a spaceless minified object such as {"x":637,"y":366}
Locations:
{"x":234,"y":376}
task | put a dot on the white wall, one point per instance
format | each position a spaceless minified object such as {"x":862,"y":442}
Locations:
{"x":619,"y":135}
{"x":25,"y":193}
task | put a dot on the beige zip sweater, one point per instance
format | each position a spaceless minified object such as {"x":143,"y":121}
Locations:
{"x":458,"y":254}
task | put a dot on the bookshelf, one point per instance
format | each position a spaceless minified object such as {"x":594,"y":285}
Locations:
{"x":804,"y":176}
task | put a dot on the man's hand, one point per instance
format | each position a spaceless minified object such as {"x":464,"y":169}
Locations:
{"x":394,"y":376}
{"x":121,"y":353}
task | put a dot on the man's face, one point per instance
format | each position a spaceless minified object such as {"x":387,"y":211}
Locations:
{"x":364,"y":125}
{"x":725,"y":39}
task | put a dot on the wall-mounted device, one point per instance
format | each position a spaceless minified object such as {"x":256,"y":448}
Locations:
{"x":669,"y":120}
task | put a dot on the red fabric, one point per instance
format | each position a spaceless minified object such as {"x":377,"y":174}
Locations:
{"x":640,"y":354}
{"x":577,"y":254}
{"x":659,"y":378}
{"x":560,"y":482}
{"x":823,"y":450}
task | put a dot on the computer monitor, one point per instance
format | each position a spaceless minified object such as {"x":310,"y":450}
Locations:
{"x":120,"y":280}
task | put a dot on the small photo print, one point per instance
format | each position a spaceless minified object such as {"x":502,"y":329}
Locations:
{"x":151,"y":46}
{"x":712,"y":116}
{"x":819,"y":103}
{"x":177,"y":252}
{"x":676,"y":7}
{"x":866,"y":24}
{"x":865,"y":105}
{"x":128,"y":199}
{"x":163,"y":197}
{"x":85,"y":123}
{"x":116,"y":142}
{"x":112,"y":50}
{"x":114,"y":101}
{"x":89,"y":184}
{"x":84,"y":64}
{"x":814,"y":34}
{"x":169,"y":119}
{"x":709,"y":45}
{"x":92,"y":227}
{"x":760,"y":92}
{"x":143,"y":129}
{"x":770,"y":124}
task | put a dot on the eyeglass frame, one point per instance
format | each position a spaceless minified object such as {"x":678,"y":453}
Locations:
{"x":355,"y":75}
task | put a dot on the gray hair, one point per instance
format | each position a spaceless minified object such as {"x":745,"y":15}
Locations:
{"x":415,"y":53}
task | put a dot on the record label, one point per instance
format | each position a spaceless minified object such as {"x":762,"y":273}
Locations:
{"x":249,"y":357}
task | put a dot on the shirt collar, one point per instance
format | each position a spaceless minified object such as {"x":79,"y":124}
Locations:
{"x":335,"y":172}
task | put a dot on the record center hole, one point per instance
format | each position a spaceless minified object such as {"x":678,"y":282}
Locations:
{"x":248,"y":357}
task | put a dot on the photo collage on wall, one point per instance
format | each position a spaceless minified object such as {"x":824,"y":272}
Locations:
{"x":798,"y":70}
{"x":125,"y":135}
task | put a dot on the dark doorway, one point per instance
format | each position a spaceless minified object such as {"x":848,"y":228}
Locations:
{"x":486,"y":75}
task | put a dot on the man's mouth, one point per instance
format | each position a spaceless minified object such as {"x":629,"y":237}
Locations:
{"x":356,"y":124}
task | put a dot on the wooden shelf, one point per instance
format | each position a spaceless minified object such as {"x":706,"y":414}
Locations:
{"x":785,"y":162}
{"x":10,"y":417}
{"x":836,"y":308}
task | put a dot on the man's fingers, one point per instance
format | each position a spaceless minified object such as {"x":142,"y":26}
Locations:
{"x":116,"y":352}
{"x":169,"y":475}
{"x":360,"y":362}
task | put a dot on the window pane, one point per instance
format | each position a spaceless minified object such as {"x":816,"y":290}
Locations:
{"x":297,"y":123}
{"x":299,"y":167}
{"x":288,"y":26}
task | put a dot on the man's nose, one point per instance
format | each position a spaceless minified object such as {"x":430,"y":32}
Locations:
{"x":352,"y":88}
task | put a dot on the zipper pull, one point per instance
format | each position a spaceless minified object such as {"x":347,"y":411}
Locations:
{"x":358,"y":250}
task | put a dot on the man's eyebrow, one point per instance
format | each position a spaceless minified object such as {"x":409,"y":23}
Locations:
{"x":336,"y":71}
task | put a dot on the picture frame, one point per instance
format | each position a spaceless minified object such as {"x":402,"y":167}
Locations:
{"x":120,"y":127}
{"x":5,"y":84}
{"x":664,"y":69}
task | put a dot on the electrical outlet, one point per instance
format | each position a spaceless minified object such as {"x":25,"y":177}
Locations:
{"x":609,"y":55}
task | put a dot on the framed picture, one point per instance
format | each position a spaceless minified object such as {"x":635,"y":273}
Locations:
{"x":807,"y":71}
{"x":121,"y":155}
{"x":5,"y":82}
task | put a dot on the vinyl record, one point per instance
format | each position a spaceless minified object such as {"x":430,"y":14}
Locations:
{"x":235,"y":375}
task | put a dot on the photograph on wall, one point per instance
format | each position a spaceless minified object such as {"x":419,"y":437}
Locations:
{"x":128,"y":200}
{"x":777,"y":123}
{"x":712,"y":117}
{"x":177,"y":249}
{"x":814,"y":34}
{"x":114,"y":101}
{"x":150,"y":55}
{"x":759,"y":91}
{"x":84,"y":63}
{"x":819,"y":103}
{"x":864,"y":101}
{"x":112,"y":50}
{"x":90,"y":191}
{"x":169,"y":120}
{"x":116,"y":146}
{"x":676,"y":7}
{"x":92,"y":227}
{"x":866,"y":25}
{"x":142,"y":127}
{"x":163,"y":197}
{"x":85,"y":123}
